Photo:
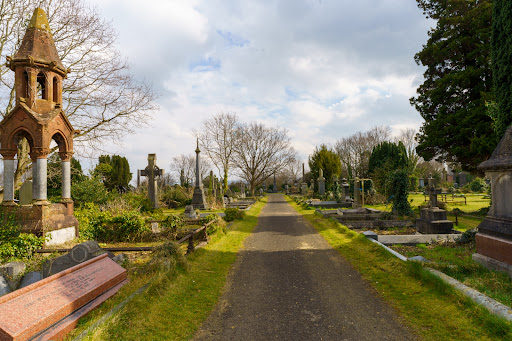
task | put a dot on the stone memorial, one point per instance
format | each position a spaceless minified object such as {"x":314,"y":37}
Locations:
{"x":321,"y":182}
{"x":198,"y":198}
{"x":357,"y":194}
{"x":345,"y":188}
{"x":50,"y":308}
{"x":433,"y":220}
{"x":421,"y":182}
{"x":26,"y":193}
{"x":12,"y":273}
{"x":152,"y":172}
{"x":78,"y":254}
{"x":39,"y":117}
{"x":494,"y":237}
{"x":190,"y":212}
{"x":303,"y":185}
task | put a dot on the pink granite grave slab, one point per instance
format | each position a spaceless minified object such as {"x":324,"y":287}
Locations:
{"x":28,"y":311}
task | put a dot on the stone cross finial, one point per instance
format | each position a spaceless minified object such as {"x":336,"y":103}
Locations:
{"x":321,"y":173}
{"x":432,"y":192}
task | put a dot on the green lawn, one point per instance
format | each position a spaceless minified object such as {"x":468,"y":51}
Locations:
{"x":174,"y":307}
{"x":474,"y":202}
{"x":434,"y":310}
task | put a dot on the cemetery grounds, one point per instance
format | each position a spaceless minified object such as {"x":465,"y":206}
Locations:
{"x":431,"y":307}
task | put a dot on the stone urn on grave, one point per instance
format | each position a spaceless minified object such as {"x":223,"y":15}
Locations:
{"x":433,"y":220}
{"x":494,"y":237}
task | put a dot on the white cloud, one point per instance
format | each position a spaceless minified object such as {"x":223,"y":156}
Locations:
{"x":322,"y":69}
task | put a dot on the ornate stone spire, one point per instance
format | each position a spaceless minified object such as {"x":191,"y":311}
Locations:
{"x":38,"y":47}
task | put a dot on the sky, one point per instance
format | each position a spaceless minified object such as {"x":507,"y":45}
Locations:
{"x":322,"y":69}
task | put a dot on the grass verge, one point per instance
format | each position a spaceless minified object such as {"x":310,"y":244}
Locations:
{"x":433,"y":309}
{"x":175,"y":304}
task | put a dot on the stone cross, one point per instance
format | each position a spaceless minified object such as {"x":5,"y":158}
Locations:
{"x":432,"y":192}
{"x":152,"y":171}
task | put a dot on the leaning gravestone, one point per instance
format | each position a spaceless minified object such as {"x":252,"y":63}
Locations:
{"x":190,"y":212}
{"x":26,"y":193}
{"x":78,"y":254}
{"x":433,"y":220}
{"x":50,"y":308}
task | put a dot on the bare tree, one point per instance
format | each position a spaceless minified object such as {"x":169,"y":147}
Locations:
{"x":187,"y":164}
{"x":218,"y":138}
{"x":100,"y":96}
{"x":408,"y":138}
{"x":293,"y":170}
{"x":260,"y":152}
{"x":354,"y":151}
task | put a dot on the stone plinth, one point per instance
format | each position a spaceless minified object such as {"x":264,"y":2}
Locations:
{"x":30,"y":310}
{"x":199,"y":199}
{"x":433,"y":221}
{"x":54,"y":220}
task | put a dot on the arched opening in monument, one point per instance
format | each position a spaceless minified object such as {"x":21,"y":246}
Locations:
{"x":24,"y":85}
{"x":24,"y":142}
{"x":41,"y":86}
{"x":55,"y":89}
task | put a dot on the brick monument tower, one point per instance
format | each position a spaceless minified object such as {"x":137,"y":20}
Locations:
{"x":38,"y":117}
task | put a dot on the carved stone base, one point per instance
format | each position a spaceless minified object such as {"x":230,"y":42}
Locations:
{"x":199,"y":199}
{"x":41,"y":220}
{"x":433,"y":221}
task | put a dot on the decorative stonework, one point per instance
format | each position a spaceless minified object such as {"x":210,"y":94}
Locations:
{"x":39,"y":119}
{"x":494,"y":238}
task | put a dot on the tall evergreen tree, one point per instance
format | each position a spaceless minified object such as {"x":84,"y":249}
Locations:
{"x":501,"y":53}
{"x":115,"y":172}
{"x":327,"y":160}
{"x":388,"y":153}
{"x":457,"y":83}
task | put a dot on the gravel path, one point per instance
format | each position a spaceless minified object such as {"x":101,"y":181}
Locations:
{"x":289,"y":284}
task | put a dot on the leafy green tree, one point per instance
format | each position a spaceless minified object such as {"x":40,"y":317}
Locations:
{"x":385,"y":158}
{"x":388,"y":152}
{"x":501,"y":55}
{"x":458,"y":81}
{"x":115,"y":172}
{"x":327,"y":160}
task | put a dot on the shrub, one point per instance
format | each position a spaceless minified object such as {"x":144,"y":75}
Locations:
{"x":477,"y":185}
{"x":172,"y":222}
{"x":13,"y":243}
{"x":175,"y":196}
{"x":233,"y":213}
{"x":90,"y":190}
{"x":106,"y":227}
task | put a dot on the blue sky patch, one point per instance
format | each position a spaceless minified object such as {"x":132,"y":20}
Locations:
{"x":205,"y":65}
{"x":233,"y":40}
